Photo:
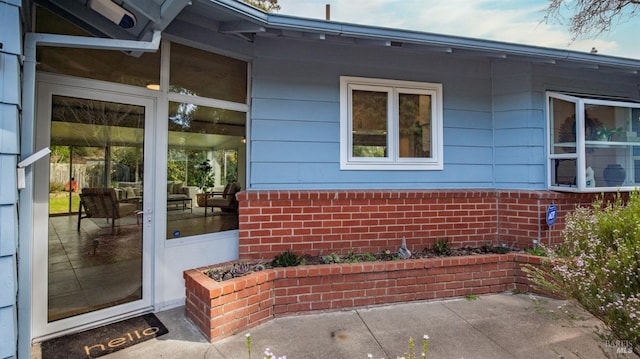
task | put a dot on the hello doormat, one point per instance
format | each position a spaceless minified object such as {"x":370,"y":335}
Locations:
{"x":104,"y":340}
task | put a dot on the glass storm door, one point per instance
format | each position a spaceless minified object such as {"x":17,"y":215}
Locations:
{"x":92,"y":223}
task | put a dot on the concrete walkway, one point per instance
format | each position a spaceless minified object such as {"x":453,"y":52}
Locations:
{"x":492,"y":326}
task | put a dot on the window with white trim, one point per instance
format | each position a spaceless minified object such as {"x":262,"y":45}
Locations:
{"x":390,"y":125}
{"x":593,"y":143}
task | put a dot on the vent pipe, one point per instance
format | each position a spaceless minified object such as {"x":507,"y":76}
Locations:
{"x":327,"y":12}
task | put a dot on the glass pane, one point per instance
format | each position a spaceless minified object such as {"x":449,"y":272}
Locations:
{"x":563,"y":123}
{"x":563,"y":172}
{"x":112,"y":66}
{"x":202,"y":164}
{"x":611,"y":151}
{"x":606,"y":123}
{"x":96,"y":168}
{"x":612,"y":165}
{"x":205,"y":74}
{"x":415,"y":126}
{"x":369,"y":123}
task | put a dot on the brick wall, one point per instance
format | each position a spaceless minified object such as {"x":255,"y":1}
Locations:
{"x":222,"y":309}
{"x":314,"y":222}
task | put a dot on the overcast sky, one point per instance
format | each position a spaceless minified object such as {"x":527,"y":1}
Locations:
{"x":515,"y":21}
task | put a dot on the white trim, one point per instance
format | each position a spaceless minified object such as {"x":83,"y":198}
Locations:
{"x":80,"y":88}
{"x":84,"y":42}
{"x":394,"y":88}
{"x":581,"y":142}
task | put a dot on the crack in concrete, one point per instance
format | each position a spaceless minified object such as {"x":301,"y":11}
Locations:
{"x":386,"y":355}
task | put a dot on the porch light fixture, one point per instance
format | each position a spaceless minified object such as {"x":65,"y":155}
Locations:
{"x":154,"y":87}
{"x":114,"y":12}
{"x":243,"y":140}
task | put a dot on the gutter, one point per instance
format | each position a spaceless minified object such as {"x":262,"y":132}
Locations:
{"x":293,"y":23}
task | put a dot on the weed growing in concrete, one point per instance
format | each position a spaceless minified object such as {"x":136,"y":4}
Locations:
{"x":268,"y":354}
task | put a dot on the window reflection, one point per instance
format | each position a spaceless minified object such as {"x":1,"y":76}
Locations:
{"x":199,"y":73}
{"x":202,"y":164}
{"x":104,"y":65}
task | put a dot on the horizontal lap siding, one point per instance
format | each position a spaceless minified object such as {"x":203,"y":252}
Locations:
{"x":10,"y":53}
{"x":295,"y":128}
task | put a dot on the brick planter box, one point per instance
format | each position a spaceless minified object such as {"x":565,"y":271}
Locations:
{"x":222,"y":309}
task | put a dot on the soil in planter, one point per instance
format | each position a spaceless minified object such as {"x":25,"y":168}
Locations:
{"x":240,"y":269}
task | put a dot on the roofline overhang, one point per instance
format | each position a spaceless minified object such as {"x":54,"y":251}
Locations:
{"x":322,"y":28}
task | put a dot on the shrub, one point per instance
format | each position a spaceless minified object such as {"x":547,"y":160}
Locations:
{"x":599,"y":265}
{"x":287,"y":259}
{"x":56,"y":187}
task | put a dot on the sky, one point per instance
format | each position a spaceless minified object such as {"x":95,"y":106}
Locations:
{"x":513,"y":21}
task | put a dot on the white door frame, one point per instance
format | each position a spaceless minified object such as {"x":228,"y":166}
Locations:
{"x":48,"y":85}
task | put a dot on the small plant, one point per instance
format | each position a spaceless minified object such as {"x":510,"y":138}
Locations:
{"x":471,"y":297}
{"x":388,"y":255}
{"x":240,"y":269}
{"x":606,"y":134}
{"x":410,"y":355}
{"x":368,"y":257}
{"x":536,"y":251}
{"x":287,"y":259}
{"x":516,"y":291}
{"x":501,"y":249}
{"x":441,"y":247}
{"x":248,"y":336}
{"x":331,"y":258}
{"x":351,"y":258}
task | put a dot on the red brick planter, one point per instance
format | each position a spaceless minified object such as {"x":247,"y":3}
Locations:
{"x":221,"y":309}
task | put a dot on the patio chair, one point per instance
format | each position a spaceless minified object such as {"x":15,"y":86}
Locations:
{"x":225,"y":200}
{"x":103,"y":203}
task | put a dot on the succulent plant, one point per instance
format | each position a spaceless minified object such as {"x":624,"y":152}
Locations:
{"x":259,"y":267}
{"x":214,"y":274}
{"x":240,"y":269}
{"x":331,"y":258}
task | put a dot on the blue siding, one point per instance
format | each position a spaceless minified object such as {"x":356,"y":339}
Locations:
{"x":295,"y":128}
{"x":10,"y":37}
{"x":494,"y":115}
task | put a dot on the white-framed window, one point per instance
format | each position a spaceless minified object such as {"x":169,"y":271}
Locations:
{"x":390,"y":125}
{"x":594,"y":143}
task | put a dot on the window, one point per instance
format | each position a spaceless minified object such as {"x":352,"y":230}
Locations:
{"x":390,"y":125}
{"x":207,"y":119}
{"x":593,"y":143}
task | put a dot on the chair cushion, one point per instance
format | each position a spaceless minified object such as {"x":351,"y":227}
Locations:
{"x":126,"y":209}
{"x":218,"y":202}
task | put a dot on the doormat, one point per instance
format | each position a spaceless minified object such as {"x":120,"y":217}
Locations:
{"x":104,"y":340}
